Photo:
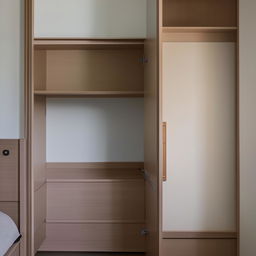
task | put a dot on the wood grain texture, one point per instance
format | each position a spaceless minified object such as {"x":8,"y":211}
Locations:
{"x":78,"y":43}
{"x":23,"y":204}
{"x":14,"y":250}
{"x":111,"y":94}
{"x":151,"y":130}
{"x":94,"y":237}
{"x":9,"y":176}
{"x":39,"y":216}
{"x":197,"y":235}
{"x":199,"y":34}
{"x":40,"y":69}
{"x":39,"y":142}
{"x":28,"y":120}
{"x":199,"y":247}
{"x":11,"y":209}
{"x":39,"y":237}
{"x":107,"y":170}
{"x":78,"y":70}
{"x":89,"y":254}
{"x":200,"y":13}
{"x":96,"y":201}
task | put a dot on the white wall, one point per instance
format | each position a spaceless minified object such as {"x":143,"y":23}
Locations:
{"x":247,"y":127}
{"x":11,"y":69}
{"x":95,"y":130}
{"x":90,"y":18}
{"x":199,"y":108}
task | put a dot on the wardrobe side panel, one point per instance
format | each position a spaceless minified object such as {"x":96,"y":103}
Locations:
{"x":39,"y":171}
{"x":151,"y":129}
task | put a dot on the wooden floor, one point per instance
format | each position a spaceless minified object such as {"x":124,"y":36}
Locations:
{"x":87,"y":254}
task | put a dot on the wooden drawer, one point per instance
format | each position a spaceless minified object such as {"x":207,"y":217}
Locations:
{"x":96,"y":200}
{"x":94,"y":237}
{"x":9,"y":161}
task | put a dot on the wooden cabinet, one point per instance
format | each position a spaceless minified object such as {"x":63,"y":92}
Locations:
{"x":199,"y":143}
{"x":133,"y":106}
{"x":92,"y":125}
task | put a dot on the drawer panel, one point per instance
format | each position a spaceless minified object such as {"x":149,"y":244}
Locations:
{"x":94,"y":237}
{"x":106,"y":200}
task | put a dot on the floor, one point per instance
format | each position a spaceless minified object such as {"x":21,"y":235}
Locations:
{"x":87,"y":254}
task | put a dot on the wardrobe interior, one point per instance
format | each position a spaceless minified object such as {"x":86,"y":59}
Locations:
{"x":199,"y":92}
{"x":88,"y":125}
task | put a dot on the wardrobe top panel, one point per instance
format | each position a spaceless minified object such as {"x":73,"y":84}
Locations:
{"x":90,"y":18}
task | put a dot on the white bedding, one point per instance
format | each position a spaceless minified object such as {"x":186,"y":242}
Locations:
{"x":9,"y":233}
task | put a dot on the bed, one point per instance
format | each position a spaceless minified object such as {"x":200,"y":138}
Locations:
{"x":9,"y":236}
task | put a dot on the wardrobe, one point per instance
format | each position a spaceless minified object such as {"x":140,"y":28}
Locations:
{"x":92,"y":126}
{"x":199,"y":119}
{"x":132,"y":126}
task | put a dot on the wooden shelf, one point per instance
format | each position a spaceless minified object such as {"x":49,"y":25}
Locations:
{"x":121,"y":221}
{"x":199,"y":34}
{"x":111,"y":94}
{"x":76,"y":43}
{"x":198,"y":29}
{"x":92,"y":180}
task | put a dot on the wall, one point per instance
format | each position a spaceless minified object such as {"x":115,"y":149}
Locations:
{"x":102,"y":130}
{"x":247,"y":93}
{"x":11,"y":69}
{"x":90,"y":18}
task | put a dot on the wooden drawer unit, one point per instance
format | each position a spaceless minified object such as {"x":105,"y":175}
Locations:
{"x":9,"y":161}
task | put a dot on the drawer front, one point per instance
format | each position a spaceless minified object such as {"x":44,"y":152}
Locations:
{"x":122,"y":201}
{"x":94,"y":237}
{"x":9,"y":161}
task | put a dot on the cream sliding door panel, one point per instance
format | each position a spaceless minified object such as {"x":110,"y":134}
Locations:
{"x":199,"y":108}
{"x":11,"y":69}
{"x":90,"y":18}
{"x":94,"y":130}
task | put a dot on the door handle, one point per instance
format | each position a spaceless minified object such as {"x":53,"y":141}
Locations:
{"x":164,"y":127}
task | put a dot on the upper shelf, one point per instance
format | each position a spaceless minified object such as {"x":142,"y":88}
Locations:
{"x":111,"y":94}
{"x":199,"y":34}
{"x":78,"y":43}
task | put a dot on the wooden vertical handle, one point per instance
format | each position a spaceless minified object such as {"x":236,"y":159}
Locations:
{"x":164,"y":124}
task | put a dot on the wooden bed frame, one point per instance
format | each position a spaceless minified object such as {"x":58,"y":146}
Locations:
{"x":13,"y":185}
{"x":14,"y":250}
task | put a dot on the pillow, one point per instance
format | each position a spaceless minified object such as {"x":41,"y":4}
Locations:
{"x":9,"y":233}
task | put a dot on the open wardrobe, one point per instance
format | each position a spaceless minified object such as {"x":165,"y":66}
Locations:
{"x":93,"y":125}
{"x":136,"y":128}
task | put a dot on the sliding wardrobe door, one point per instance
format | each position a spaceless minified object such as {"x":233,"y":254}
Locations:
{"x":199,"y":198}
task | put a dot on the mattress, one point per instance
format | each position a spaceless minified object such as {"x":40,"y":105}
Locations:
{"x":9,"y":233}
